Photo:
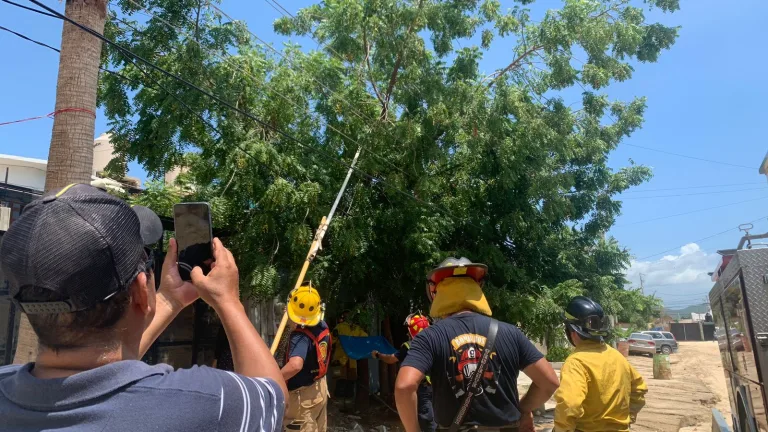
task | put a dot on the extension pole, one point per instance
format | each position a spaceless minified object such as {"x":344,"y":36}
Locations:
{"x":317,"y":244}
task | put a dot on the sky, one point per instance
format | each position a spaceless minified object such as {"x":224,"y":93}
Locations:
{"x":706,"y":100}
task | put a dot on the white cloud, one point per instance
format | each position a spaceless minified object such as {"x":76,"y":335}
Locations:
{"x":676,"y":278}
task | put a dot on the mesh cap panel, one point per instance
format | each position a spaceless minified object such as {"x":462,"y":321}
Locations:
{"x":83,"y":244}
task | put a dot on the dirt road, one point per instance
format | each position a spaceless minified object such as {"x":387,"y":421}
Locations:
{"x":684,"y":403}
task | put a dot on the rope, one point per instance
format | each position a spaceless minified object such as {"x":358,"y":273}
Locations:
{"x":51,"y":115}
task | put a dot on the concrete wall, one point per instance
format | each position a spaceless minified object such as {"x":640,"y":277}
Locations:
{"x":103,"y":152}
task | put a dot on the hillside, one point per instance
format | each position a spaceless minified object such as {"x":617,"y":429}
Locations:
{"x":686,"y":312}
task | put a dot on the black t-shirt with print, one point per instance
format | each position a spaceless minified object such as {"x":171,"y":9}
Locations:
{"x":449,"y":352}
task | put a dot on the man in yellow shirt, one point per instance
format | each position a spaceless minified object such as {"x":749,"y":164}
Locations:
{"x":599,"y":389}
{"x":345,"y":375}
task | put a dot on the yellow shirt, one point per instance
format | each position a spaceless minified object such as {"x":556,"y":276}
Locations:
{"x":346,"y":329}
{"x":598,"y":391}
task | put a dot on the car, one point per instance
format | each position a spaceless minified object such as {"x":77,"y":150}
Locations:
{"x":665,"y":341}
{"x":640,"y":343}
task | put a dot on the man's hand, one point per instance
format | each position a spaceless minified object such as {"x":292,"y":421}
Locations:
{"x":221,"y":285}
{"x":374,"y":354}
{"x":173,"y":290}
{"x":526,"y":422}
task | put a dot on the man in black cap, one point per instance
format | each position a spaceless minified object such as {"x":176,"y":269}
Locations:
{"x":472,"y":359}
{"x":79,"y":266}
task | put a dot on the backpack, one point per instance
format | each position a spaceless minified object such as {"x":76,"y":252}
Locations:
{"x":322,"y":348}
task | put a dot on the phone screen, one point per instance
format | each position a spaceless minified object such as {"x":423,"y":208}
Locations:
{"x":194,"y":238}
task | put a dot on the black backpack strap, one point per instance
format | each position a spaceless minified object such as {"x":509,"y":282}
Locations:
{"x":475,"y":381}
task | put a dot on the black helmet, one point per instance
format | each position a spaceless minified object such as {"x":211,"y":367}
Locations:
{"x":455,"y":267}
{"x":585,"y":317}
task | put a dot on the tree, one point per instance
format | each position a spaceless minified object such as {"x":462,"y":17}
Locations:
{"x":516,"y":173}
{"x":70,"y":158}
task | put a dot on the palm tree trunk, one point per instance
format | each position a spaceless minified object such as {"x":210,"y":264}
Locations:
{"x":70,"y":158}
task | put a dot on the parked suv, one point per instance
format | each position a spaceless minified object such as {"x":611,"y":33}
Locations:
{"x":665,"y":341}
{"x":640,"y":343}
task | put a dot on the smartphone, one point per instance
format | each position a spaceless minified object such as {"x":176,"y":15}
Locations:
{"x":194,"y":237}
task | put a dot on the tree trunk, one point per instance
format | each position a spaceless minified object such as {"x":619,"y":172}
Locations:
{"x":70,"y":158}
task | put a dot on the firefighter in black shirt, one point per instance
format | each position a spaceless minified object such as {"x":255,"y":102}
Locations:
{"x":416,"y":323}
{"x":450,"y":350}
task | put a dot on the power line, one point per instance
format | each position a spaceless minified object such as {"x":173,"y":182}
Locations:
{"x":690,"y":157}
{"x":248,"y":115}
{"x":693,"y":187}
{"x":687,"y":213}
{"x":354,"y":111}
{"x":694,"y":194}
{"x":697,"y":241}
{"x":280,"y":6}
{"x":148,"y":13}
{"x":121,"y":76}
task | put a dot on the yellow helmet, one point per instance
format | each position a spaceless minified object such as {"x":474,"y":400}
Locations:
{"x":304,"y":307}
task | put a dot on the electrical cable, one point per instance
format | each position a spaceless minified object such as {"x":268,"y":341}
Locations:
{"x":248,"y":115}
{"x":693,"y":194}
{"x":278,"y":10}
{"x":30,"y":9}
{"x":353,"y":110}
{"x":697,"y":241}
{"x":148,"y":13}
{"x":184,"y":105}
{"x":693,"y":187}
{"x":690,"y":157}
{"x":686,"y":213}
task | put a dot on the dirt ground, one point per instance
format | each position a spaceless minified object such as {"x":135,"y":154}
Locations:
{"x":682,"y":404}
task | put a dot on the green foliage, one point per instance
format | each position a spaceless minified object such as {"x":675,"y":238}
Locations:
{"x":638,"y":309}
{"x":622,"y":334}
{"x":519,"y":174}
{"x":558,"y":353}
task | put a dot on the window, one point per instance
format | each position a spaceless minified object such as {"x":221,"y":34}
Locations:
{"x":640,"y":336}
{"x":668,"y":335}
{"x":5,"y":204}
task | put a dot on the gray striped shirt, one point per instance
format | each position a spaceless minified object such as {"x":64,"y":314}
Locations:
{"x":134,"y":396}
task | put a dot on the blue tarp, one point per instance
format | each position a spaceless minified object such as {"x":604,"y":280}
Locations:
{"x":359,"y":348}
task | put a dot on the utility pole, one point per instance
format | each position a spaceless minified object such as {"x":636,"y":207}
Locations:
{"x":70,"y":157}
{"x":642,"y":283}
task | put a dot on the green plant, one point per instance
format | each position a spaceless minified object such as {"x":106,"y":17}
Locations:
{"x":622,"y":334}
{"x":558,"y":353}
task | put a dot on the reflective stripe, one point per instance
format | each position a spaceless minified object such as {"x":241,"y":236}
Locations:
{"x":66,"y":188}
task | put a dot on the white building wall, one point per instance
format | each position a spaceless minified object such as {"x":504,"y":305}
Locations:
{"x":27,"y":172}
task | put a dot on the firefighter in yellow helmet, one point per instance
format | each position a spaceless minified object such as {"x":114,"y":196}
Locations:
{"x":307,"y":359}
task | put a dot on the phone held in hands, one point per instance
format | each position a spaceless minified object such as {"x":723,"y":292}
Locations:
{"x":194,"y":237}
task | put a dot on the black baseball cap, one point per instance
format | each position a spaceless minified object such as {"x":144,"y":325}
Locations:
{"x":80,"y":242}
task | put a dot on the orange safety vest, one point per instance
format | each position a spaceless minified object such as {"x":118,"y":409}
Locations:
{"x":322,"y":344}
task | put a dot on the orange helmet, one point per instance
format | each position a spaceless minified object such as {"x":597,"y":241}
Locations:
{"x":416,"y":323}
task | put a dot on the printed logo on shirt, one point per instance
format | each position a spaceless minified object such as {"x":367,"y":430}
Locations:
{"x":323,"y":351}
{"x":468,"y":350}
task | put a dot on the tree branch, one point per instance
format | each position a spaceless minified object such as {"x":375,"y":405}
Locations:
{"x":515,"y":63}
{"x":370,"y":70}
{"x":398,"y":61}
